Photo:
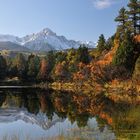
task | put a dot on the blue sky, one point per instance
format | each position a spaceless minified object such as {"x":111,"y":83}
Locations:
{"x":75,"y":19}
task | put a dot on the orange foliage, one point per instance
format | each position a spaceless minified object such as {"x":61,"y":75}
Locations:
{"x":81,"y":65}
{"x":43,"y":69}
{"x":96,"y":69}
{"x":83,"y":73}
{"x":107,"y":59}
{"x":78,"y":76}
{"x":82,"y":103}
{"x":106,"y":117}
{"x":61,"y":70}
{"x":115,"y":82}
{"x":137,"y":38}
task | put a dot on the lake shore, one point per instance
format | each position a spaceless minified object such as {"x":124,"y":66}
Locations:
{"x":118,"y":91}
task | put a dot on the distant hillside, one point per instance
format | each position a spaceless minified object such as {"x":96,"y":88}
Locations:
{"x":13,"y":47}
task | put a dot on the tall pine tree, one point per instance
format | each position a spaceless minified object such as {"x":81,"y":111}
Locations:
{"x":125,"y":53}
{"x":101,"y":43}
{"x":134,"y":15}
{"x":122,"y":18}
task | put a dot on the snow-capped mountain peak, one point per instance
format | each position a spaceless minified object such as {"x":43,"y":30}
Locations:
{"x":47,"y":31}
{"x":44,"y":40}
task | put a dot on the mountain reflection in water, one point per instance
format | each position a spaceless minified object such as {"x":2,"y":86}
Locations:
{"x":50,"y":114}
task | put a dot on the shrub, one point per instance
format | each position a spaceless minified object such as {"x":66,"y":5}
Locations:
{"x":136,"y":73}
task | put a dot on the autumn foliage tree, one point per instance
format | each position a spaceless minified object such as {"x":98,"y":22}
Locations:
{"x":43,"y":70}
{"x":61,"y":71}
{"x":83,"y":74}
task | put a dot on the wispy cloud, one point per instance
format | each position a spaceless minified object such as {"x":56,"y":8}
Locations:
{"x":102,"y":4}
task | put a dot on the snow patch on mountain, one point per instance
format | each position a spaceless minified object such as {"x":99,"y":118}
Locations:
{"x":45,"y":40}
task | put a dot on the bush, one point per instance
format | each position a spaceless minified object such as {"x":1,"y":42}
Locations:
{"x":136,"y":73}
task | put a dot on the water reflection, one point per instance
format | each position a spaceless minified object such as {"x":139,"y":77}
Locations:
{"x":52,"y":113}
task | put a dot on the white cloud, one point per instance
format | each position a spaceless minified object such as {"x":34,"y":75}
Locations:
{"x":102,"y":4}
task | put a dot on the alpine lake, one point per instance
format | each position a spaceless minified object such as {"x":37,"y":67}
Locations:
{"x":34,"y":114}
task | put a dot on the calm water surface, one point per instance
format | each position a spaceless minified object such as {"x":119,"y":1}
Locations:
{"x":27,"y":114}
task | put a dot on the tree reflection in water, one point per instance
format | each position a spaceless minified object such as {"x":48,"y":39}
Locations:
{"x":120,"y":117}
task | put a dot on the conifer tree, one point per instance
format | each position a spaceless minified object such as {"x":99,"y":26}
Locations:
{"x":125,"y":53}
{"x":3,"y":67}
{"x":20,"y":65}
{"x":124,"y":23}
{"x":101,"y":43}
{"x":33,"y":67}
{"x":82,"y":54}
{"x":134,"y":15}
{"x":122,"y":18}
